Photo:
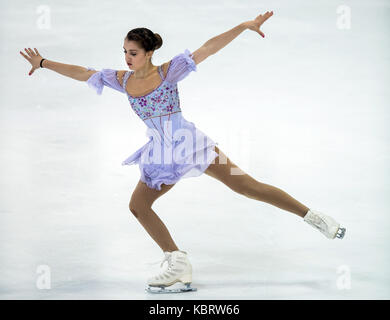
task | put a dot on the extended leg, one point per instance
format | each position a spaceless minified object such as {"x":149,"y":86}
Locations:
{"x":140,"y":205}
{"x":231,"y":175}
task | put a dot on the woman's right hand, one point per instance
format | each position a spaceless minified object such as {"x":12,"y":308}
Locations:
{"x":33,"y":57}
{"x":258,"y":21}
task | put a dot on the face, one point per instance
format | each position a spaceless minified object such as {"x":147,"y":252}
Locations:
{"x":135,"y":57}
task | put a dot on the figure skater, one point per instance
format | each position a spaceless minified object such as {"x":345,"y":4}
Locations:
{"x":153,"y":94}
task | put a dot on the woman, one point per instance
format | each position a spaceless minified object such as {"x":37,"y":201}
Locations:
{"x":153,"y":95}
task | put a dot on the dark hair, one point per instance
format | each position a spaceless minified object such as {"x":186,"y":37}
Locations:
{"x":146,"y":39}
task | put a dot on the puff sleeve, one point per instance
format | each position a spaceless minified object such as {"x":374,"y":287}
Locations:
{"x":180,"y":66}
{"x":106,"y":77}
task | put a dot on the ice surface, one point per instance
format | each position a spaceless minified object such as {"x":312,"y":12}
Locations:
{"x":305,"y":109}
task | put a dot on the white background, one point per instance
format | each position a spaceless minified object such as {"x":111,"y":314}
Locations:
{"x":305,"y":109}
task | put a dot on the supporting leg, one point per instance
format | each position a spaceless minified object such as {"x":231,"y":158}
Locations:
{"x":141,"y":206}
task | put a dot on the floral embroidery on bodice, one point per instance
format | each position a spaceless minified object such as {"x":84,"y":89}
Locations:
{"x":162,"y":101}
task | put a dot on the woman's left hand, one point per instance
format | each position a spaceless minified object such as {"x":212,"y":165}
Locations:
{"x":258,"y":21}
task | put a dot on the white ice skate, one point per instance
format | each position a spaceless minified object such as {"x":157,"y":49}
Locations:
{"x":178,"y":269}
{"x":327,"y":225}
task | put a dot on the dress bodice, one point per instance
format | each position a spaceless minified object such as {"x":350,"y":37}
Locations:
{"x":162,"y":101}
{"x":160,"y":109}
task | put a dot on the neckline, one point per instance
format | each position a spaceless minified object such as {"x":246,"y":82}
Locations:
{"x":159,"y":71}
{"x":162,"y":81}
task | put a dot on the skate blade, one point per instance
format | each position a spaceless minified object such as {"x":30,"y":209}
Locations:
{"x":340,"y":233}
{"x":162,"y":289}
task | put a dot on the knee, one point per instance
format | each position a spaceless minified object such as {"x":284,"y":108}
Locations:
{"x":137,"y":208}
{"x":239,"y":185}
{"x":251,"y":188}
{"x":259,"y":191}
{"x":133,"y":210}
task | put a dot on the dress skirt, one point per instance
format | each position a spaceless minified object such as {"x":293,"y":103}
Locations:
{"x":167,"y":158}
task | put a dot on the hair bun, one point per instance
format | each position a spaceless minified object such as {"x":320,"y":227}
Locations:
{"x":158,"y":41}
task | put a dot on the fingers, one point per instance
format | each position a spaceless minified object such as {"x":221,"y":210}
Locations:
{"x":268,"y":14}
{"x":24,"y":55}
{"x":265,"y":16}
{"x":29,"y":52}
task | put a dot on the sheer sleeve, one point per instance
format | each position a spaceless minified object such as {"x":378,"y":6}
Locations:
{"x":180,"y":66}
{"x":106,"y":77}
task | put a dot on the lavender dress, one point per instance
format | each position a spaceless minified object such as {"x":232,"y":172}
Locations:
{"x":176,"y":148}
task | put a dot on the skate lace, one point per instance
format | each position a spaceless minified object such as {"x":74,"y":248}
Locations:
{"x":166,"y":258}
{"x":319,"y":222}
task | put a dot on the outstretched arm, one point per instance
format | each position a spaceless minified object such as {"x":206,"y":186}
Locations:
{"x":217,"y":43}
{"x":69,"y":70}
